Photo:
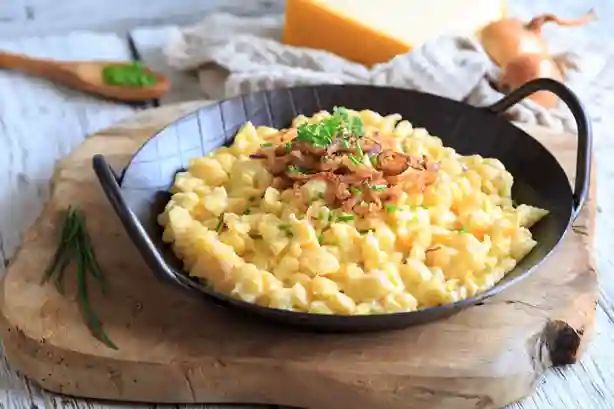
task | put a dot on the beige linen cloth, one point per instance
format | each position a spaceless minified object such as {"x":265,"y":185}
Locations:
{"x":235,"y":55}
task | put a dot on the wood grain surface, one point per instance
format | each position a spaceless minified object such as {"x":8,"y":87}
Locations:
{"x":179,"y":350}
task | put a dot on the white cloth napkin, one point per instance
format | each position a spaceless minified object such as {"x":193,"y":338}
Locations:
{"x":235,"y":55}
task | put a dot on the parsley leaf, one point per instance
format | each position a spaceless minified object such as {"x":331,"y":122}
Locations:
{"x":354,"y":159}
{"x":355,"y":190}
{"x":323,"y":133}
{"x":373,"y":160}
{"x":345,"y":217}
{"x":391,"y":208}
{"x":359,"y":151}
{"x":294,"y":169}
{"x":357,"y":127}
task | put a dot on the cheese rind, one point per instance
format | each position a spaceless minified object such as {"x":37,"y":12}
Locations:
{"x":374,"y":31}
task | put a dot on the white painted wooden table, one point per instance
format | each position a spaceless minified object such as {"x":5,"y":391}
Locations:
{"x":40,"y":123}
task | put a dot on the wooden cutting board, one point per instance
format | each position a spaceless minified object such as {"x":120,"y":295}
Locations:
{"x":180,"y":350}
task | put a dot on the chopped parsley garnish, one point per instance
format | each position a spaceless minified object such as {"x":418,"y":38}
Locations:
{"x":345,"y":217}
{"x":247,"y":211}
{"x":354,"y":159}
{"x":391,"y":208}
{"x":353,"y":125}
{"x":220,"y":223}
{"x":359,"y":151}
{"x":266,"y":145}
{"x":320,"y":238}
{"x":322,"y":134}
{"x":463,"y":230}
{"x":373,"y":160}
{"x":288,"y":147}
{"x":294,"y":169}
{"x":286,"y":229}
{"x":319,"y":134}
{"x":357,"y":127}
{"x":355,"y":190}
{"x":379,"y":188}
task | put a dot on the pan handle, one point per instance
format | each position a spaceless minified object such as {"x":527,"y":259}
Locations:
{"x":585,"y":133}
{"x":109,"y":182}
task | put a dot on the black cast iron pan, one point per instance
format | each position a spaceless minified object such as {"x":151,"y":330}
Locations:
{"x":140,"y":193}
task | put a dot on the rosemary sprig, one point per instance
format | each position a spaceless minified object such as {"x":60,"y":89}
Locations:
{"x":75,"y":244}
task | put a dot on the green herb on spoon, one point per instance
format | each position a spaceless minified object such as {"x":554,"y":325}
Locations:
{"x":75,"y":244}
{"x":131,"y":74}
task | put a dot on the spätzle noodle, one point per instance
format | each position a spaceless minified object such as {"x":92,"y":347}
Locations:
{"x":346,"y":213}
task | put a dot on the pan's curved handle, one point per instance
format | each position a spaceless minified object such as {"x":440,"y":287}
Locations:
{"x":109,"y":182}
{"x":585,"y":133}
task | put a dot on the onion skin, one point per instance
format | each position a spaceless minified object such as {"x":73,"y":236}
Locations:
{"x":505,"y":39}
{"x":527,"y":67}
{"x":519,"y":49}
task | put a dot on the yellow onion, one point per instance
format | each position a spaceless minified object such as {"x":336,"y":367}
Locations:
{"x":505,"y":39}
{"x":527,"y":67}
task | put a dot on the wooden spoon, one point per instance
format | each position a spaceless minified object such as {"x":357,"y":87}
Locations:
{"x":85,"y":76}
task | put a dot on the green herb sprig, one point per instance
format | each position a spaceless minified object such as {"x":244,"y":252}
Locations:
{"x":390,"y":208}
{"x":76,"y":245}
{"x":322,"y":134}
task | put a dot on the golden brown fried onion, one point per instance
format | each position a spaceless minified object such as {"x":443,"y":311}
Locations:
{"x":361,"y":173}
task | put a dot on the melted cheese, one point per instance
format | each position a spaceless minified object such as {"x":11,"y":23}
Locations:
{"x":374,"y":31}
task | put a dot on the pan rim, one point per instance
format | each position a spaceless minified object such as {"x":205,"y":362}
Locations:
{"x":328,"y":320}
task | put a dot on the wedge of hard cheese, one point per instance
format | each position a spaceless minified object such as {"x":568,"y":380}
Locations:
{"x":374,"y":31}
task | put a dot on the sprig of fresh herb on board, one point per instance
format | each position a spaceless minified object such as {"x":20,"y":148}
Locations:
{"x":75,"y":245}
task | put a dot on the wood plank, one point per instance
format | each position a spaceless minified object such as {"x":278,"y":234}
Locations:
{"x":600,"y":100}
{"x":119,"y":16}
{"x":40,"y":123}
{"x":13,"y":11}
